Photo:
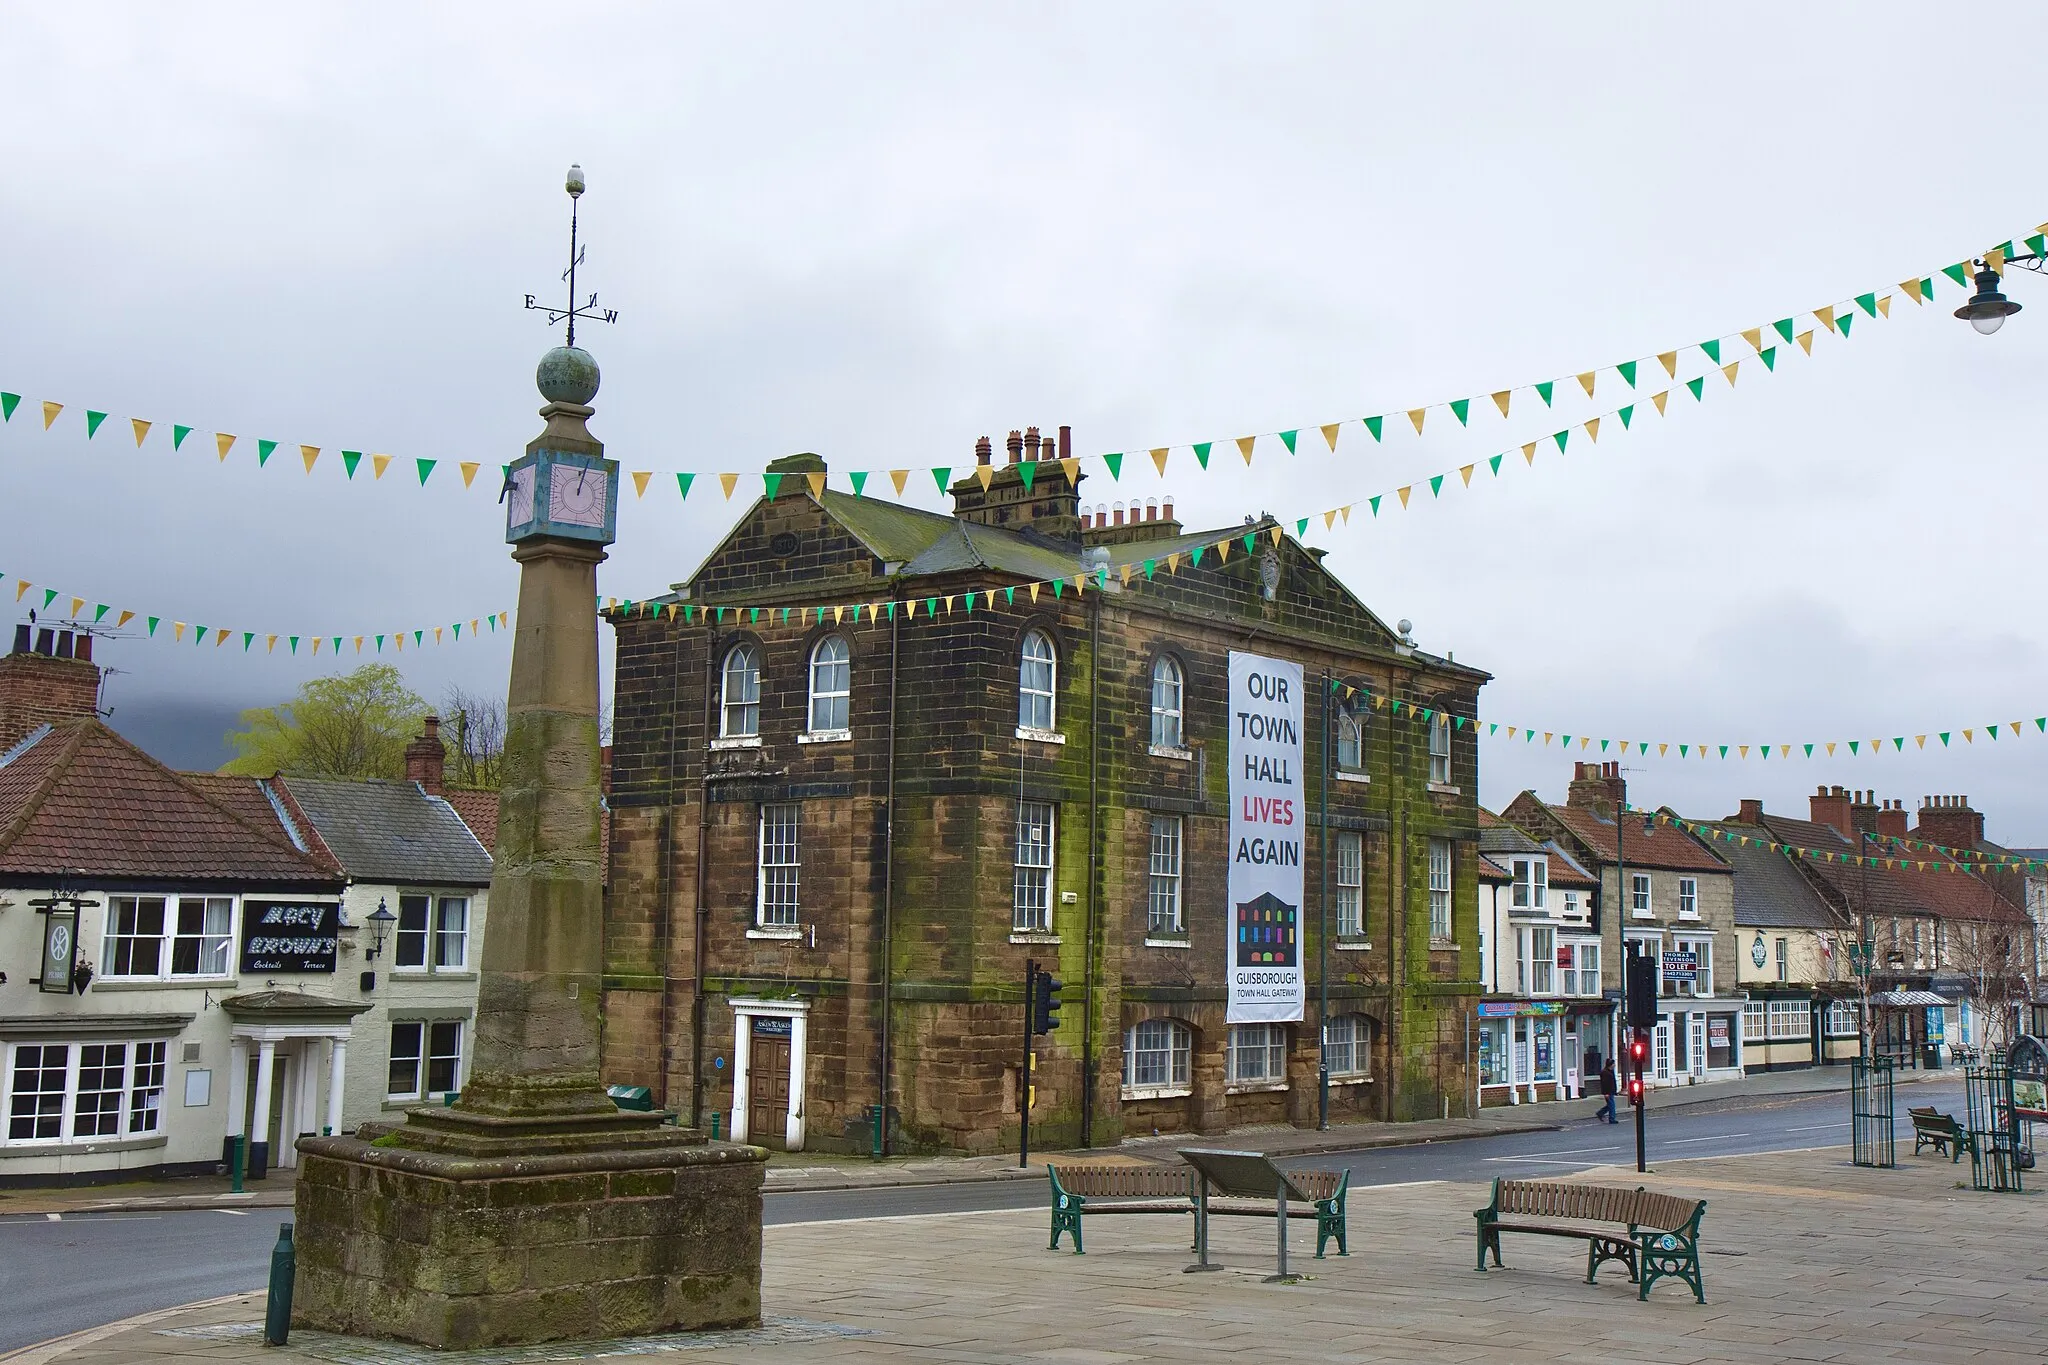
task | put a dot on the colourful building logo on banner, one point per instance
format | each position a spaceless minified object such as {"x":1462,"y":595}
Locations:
{"x":1268,"y":933}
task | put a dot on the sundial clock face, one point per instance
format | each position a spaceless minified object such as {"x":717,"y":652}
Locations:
{"x":578,"y":496}
{"x":519,"y":502}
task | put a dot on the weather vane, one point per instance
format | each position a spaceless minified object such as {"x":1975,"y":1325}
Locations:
{"x":588,"y":309}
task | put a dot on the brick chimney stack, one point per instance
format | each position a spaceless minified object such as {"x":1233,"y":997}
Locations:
{"x":1891,"y":819}
{"x":1049,"y":504}
{"x":426,"y":757}
{"x":1830,"y":806}
{"x":1949,"y":821}
{"x":1597,"y":787}
{"x":49,"y":680}
{"x":1863,"y":811}
{"x":1752,"y":812}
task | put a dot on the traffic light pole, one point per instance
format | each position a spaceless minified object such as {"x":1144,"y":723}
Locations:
{"x":1642,"y":1112}
{"x":1640,"y":1092}
{"x":1024,"y":1071}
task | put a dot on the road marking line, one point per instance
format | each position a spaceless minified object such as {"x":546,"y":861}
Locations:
{"x":1567,"y":1151}
{"x":1402,"y":1185}
{"x":234,"y":1213}
{"x":1538,"y":1161}
{"x":1712,"y":1137}
{"x":1817,"y":1128}
{"x":54,"y":1217}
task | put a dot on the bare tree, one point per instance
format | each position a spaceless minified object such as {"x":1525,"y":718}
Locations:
{"x":478,"y":725}
{"x":1995,"y":958}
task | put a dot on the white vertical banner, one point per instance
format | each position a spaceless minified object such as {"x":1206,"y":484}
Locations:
{"x":1267,"y":816}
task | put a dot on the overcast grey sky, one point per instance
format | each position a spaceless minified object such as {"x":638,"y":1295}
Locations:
{"x":879,"y":232}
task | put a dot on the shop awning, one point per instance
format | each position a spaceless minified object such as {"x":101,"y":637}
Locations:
{"x":1907,"y":999}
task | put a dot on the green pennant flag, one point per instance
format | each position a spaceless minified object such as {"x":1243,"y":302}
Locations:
{"x":1868,"y":303}
{"x":1603,"y":746}
{"x":49,"y":596}
{"x":1944,"y":738}
{"x":1057,"y":585}
{"x":417,"y":636}
{"x":1114,"y":463}
{"x":1010,"y":596}
{"x":1627,"y":370}
{"x":350,"y":459}
{"x":940,"y":475}
{"x":1251,"y":541}
{"x":1561,"y":437}
{"x":200,"y":637}
{"x":1809,"y":751}
{"x":152,"y":625}
{"x":1436,"y":485}
{"x":1567,"y":739}
{"x":892,"y":611}
{"x":1784,"y":327}
{"x":295,"y":643}
{"x":1853,"y":744}
{"x":1373,"y":424}
{"x":1626,"y":415}
{"x":2038,"y":244}
{"x":931,"y":606}
{"x":1682,"y":750}
{"x":1375,"y":501}
{"x":860,"y":481}
{"x":178,"y":435}
{"x":1960,"y":273}
{"x":8,"y":403}
{"x":2041,"y":724}
{"x":1150,"y":564}
{"x":264,"y":450}
{"x":1724,"y":751}
{"x":1202,"y":453}
{"x":1495,"y":462}
{"x":683,"y":482}
{"x":1545,"y":389}
{"x":1713,"y":350}
{"x":92,"y":423}
{"x":100,"y":613}
{"x":970,"y":603}
{"x":1843,"y":322}
{"x":773,"y":483}
{"x":1195,"y":557}
{"x":1528,"y":736}
{"x":337,"y":644}
{"x":1993,"y":729}
{"x":1460,"y":407}
{"x":1898,"y":743}
{"x":1696,"y":385}
{"x":1643,"y":746}
{"x":1027,"y":470}
{"x":2004,"y":248}
{"x":380,"y":640}
{"x":426,"y":467}
{"x":1287,"y":439}
{"x":248,"y":638}
{"x":1301,"y":529}
{"x":753,"y":616}
{"x":1769,"y":356}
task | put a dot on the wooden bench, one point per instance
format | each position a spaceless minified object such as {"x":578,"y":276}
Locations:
{"x":1078,"y":1191}
{"x":1658,"y":1234}
{"x":1932,"y":1128}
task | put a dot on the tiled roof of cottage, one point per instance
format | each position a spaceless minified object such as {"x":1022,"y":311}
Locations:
{"x":389,"y":831}
{"x":1770,"y":890}
{"x":1943,"y":894}
{"x":1663,"y":846}
{"x":80,"y":799}
{"x":479,"y":810}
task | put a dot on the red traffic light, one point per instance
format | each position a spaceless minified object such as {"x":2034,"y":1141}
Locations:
{"x":1635,"y":1090}
{"x":1638,"y":1048}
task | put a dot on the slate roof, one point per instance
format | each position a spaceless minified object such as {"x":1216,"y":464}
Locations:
{"x":81,"y":799}
{"x":1892,"y":891}
{"x":1770,"y":890}
{"x":385,"y":831}
{"x":1664,"y":847}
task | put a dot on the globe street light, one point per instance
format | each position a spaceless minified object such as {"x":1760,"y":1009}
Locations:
{"x":1987,"y":309}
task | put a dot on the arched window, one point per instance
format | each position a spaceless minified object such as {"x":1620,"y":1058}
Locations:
{"x":831,"y":685}
{"x":1156,"y":1054}
{"x":1350,"y":742}
{"x":1440,"y":747}
{"x":1037,"y":672}
{"x":740,"y":711}
{"x":1166,"y":703}
{"x":1348,"y":1044}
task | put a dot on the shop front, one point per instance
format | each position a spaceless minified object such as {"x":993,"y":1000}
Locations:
{"x":1523,"y":1054}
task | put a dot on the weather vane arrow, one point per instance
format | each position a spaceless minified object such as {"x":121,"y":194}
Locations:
{"x":588,"y":309}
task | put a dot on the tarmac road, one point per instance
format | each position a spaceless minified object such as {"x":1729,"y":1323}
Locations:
{"x":62,"y":1275}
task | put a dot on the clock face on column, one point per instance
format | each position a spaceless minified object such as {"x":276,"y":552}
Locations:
{"x":519,"y":502}
{"x":578,"y":496}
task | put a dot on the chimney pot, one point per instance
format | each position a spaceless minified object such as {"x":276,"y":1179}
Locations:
{"x":1151,"y":509}
{"x":46,"y":642}
{"x":64,"y":638}
{"x":982,"y":449}
{"x":1066,"y":443}
{"x":82,"y":650}
{"x":426,"y":757}
{"x":1031,"y":443}
{"x":1016,"y":444}
{"x":1752,"y":811}
{"x":21,"y":634}
{"x":1119,"y":512}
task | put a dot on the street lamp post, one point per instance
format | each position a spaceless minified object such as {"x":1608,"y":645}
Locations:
{"x":1988,"y":309}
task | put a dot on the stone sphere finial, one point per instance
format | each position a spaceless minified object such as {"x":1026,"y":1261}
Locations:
{"x":567,"y":374}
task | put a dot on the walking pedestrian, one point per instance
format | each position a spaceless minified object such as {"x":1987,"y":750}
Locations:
{"x":1608,"y":1088}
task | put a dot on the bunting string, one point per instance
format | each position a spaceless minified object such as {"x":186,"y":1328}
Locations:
{"x":1765,"y":341}
{"x":1715,"y":834}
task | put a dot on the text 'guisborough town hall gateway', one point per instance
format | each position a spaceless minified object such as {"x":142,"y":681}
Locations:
{"x":835,"y":843}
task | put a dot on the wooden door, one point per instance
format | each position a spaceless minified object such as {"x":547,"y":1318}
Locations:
{"x":768,"y":1091}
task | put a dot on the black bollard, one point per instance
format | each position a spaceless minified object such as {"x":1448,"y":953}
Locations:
{"x":277,"y":1314}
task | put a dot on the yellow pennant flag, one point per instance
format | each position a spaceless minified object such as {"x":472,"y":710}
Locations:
{"x":817,"y":483}
{"x":1126,"y":573}
{"x":1173,"y":562}
{"x":270,"y":644}
{"x":1500,"y":400}
{"x":77,"y":605}
{"x":1593,"y":429}
{"x":178,"y":630}
{"x":1669,"y":360}
{"x":1744,"y":748}
{"x":910,"y":607}
{"x":1159,"y":458}
{"x":1729,"y":370}
{"x":1884,"y":306}
{"x":1994,"y":260}
{"x":19,"y":588}
{"x":1586,"y":382}
{"x":50,"y":411}
{"x":1755,"y":337}
{"x":1072,"y":468}
{"x":1222,"y":550}
{"x":223,"y":443}
{"x":1546,"y":736}
{"x":1919,"y":741}
{"x":1805,"y":340}
{"x":1584,"y":740}
{"x":986,"y":473}
{"x":1969,"y":737}
{"x":1403,"y":491}
{"x":897,"y":476}
{"x":141,"y":430}
{"x":1329,"y":434}
{"x":838,"y":614}
{"x":1244,"y":447}
{"x":1826,"y":316}
{"x":1034,"y":592}
{"x":1416,"y":415}
{"x":1529,"y":453}
{"x":728,"y":482}
{"x":1784,"y":751}
{"x":991,"y":599}
{"x":309,"y":454}
{"x":1345,"y":512}
{"x":359,"y":639}
{"x":397,"y":635}
{"x":1663,"y":749}
{"x":1329,"y":518}
{"x":220,"y":637}
{"x":316,"y":644}
{"x":1659,"y":399}
{"x":469,"y":469}
{"x":124,"y":619}
{"x":640,"y":478}
{"x":378,"y":464}
{"x":1278,"y":534}
{"x":1912,"y":288}
{"x":1464,"y":472}
{"x":1831,"y":748}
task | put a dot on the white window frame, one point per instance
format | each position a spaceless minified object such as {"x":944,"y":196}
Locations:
{"x":1350,"y":742}
{"x":778,"y":866}
{"x":1755,"y":1022}
{"x":1840,"y":1021}
{"x":1640,"y":902}
{"x":831,"y":684}
{"x":136,"y":1095}
{"x":1163,"y":914}
{"x":1586,"y":954}
{"x":1688,"y":897}
{"x":1256,"y":1054}
{"x":1156,"y":1059}
{"x":1037,"y":697}
{"x":1790,"y":1019}
{"x":1348,"y":1035}
{"x":1702,"y":984}
{"x":1440,"y":748}
{"x":1532,"y":884}
{"x":1169,"y":692}
{"x":215,"y":951}
{"x":423,"y":942}
{"x":1440,"y":890}
{"x":1783,"y":947}
{"x":1542,"y":960}
{"x":1571,"y":905}
{"x":1350,"y":905}
{"x":1034,"y":859}
{"x":426,"y":1050}
{"x":739,"y":695}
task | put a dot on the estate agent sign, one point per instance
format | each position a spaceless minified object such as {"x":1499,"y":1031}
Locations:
{"x":1266,"y":820}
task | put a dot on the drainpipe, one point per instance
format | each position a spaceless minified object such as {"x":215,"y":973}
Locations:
{"x":1094,"y":873}
{"x":697,"y":1007}
{"x":880,"y":1143}
{"x":665,"y":935}
{"x":1323,"y":928}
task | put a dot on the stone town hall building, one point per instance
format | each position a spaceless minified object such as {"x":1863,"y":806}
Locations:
{"x":810,"y":819}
